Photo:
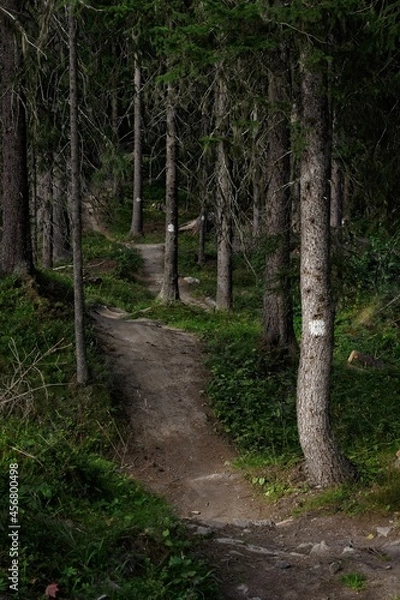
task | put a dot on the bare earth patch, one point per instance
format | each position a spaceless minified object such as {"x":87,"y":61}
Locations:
{"x":256,"y":549}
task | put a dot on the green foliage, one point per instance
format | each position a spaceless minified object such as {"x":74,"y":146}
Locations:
{"x":354,"y":581}
{"x":253,"y":398}
{"x":92,"y":530}
{"x":371,"y":260}
{"x":84,"y":525}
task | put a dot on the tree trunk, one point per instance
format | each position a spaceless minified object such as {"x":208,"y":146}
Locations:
{"x":224,"y":200}
{"x":76,"y":208}
{"x":170,"y":289}
{"x":116,"y":175}
{"x":203,"y":189}
{"x":61,"y":246}
{"x":16,"y":248}
{"x":137,"y":212}
{"x":325,"y":464}
{"x":47,"y":220}
{"x":279,"y":334}
{"x":256,"y":179}
{"x":337,"y":186}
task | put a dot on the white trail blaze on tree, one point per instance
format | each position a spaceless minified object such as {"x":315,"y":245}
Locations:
{"x":324,"y":462}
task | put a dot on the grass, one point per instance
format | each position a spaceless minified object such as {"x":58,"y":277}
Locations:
{"x":354,"y":581}
{"x":254,"y":397}
{"x":84,"y":525}
{"x":95,"y":532}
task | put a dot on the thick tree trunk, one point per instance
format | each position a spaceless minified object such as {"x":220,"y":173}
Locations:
{"x":76,"y":208}
{"x":278,"y":313}
{"x":170,"y":289}
{"x":325,"y":464}
{"x":224,"y":200}
{"x":137,"y":212}
{"x":16,"y":248}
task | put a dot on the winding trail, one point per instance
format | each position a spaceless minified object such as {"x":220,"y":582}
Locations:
{"x":159,"y":377}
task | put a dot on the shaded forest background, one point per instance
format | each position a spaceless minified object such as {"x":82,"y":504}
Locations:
{"x":271,"y":129}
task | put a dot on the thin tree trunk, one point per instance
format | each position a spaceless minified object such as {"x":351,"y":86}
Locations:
{"x":278,"y":312}
{"x":76,"y":208}
{"x":116,"y":176}
{"x":170,"y":289}
{"x":337,"y":187}
{"x":137,"y":212}
{"x":224,"y":201}
{"x":324,"y":462}
{"x":60,"y":221}
{"x":201,"y":255}
{"x":47,"y":216}
{"x":16,"y":248}
{"x":33,"y":202}
{"x":256,"y":178}
{"x":203,"y":191}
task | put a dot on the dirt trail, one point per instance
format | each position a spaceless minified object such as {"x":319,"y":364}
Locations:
{"x":258,"y":553}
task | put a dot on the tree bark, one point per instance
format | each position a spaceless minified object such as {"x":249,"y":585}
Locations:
{"x":278,"y":334}
{"x":203,"y":190}
{"x":16,"y":248}
{"x":116,"y":175}
{"x":61,"y":242}
{"x":76,"y":208}
{"x":47,"y":219}
{"x":324,"y":462}
{"x":258,"y":204}
{"x":137,"y":212}
{"x":170,"y":289}
{"x":224,"y":200}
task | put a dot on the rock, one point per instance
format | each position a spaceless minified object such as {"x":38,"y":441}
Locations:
{"x":285,"y":522}
{"x":320,"y":549}
{"x":335,"y":567}
{"x":248,"y":523}
{"x":348,"y":550}
{"x":305,"y":547}
{"x":202,"y":530}
{"x":243,"y":589}
{"x":365,"y":360}
{"x":384,"y":531}
{"x":282,"y":564}
{"x":392,"y":549}
{"x":260,"y":550}
{"x":210,"y":302}
{"x":191,"y":280}
{"x":229,"y":541}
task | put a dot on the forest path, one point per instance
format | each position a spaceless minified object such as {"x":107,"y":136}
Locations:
{"x":258,"y":553}
{"x":158,"y":373}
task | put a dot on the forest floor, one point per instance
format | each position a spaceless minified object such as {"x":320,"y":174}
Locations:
{"x":257,"y":550}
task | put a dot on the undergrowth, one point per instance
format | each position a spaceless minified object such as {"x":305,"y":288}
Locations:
{"x":254,"y":396}
{"x":93,"y":531}
{"x":84,"y":526}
